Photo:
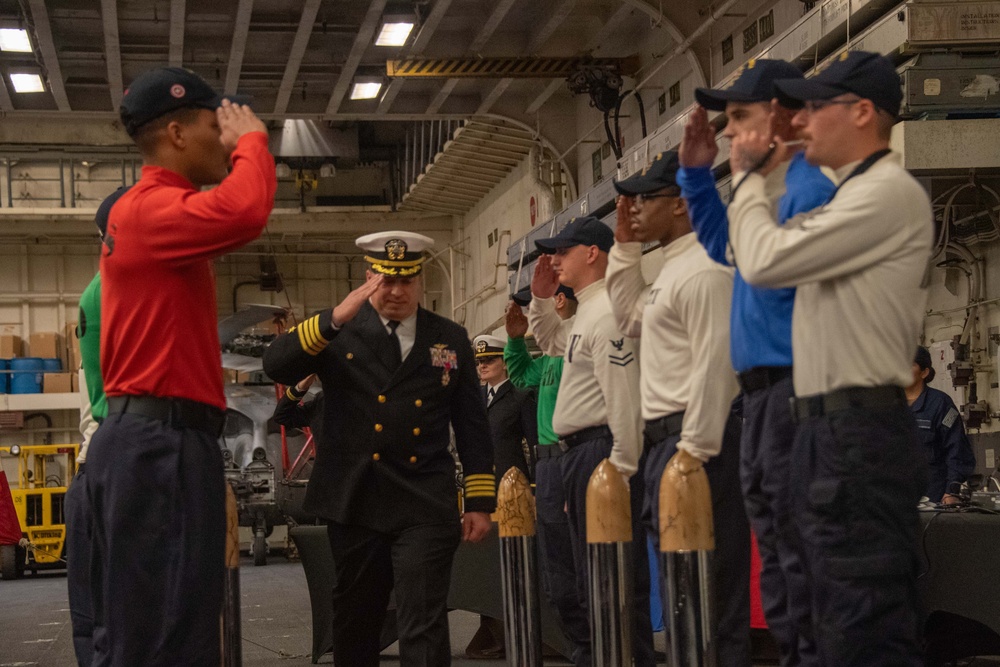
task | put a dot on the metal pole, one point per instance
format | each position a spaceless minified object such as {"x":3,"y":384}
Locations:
{"x":522,"y":618}
{"x":232,"y":650}
{"x":609,"y":565}
{"x":686,"y":543}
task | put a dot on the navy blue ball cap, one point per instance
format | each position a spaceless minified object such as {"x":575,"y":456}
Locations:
{"x":104,"y":210}
{"x":755,"y":83}
{"x":868,"y":75}
{"x":661,"y":173}
{"x":586,"y":231}
{"x":165,"y":89}
{"x":522,"y":297}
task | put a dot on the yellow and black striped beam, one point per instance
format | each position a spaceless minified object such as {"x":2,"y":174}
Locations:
{"x":508,"y":68}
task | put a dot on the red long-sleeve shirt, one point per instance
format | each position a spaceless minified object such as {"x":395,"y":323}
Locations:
{"x":160,"y":333}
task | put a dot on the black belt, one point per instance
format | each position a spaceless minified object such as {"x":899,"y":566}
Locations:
{"x":762,"y":377}
{"x":177,"y":412}
{"x":548,"y":451}
{"x":658,"y":430}
{"x":845,"y":399}
{"x":585,"y":435}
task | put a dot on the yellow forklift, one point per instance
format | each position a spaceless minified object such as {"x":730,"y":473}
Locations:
{"x":44,"y":473}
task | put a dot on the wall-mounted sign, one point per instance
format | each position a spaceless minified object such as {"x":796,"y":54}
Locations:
{"x":953,"y":22}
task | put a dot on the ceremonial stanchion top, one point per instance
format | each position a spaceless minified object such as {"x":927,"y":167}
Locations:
{"x":685,"y":506}
{"x":609,"y":513}
{"x":515,"y":505}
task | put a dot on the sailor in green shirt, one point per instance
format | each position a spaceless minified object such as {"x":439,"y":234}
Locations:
{"x":93,"y":410}
{"x":558,"y":575}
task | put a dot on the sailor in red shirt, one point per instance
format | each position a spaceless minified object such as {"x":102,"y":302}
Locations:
{"x":155,"y":476}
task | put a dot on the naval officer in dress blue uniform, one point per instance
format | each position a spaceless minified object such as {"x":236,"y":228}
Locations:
{"x":510,"y":410}
{"x":397,"y":379}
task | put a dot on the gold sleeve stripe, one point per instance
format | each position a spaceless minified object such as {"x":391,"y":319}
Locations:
{"x":479,"y":494}
{"x":486,"y":475}
{"x":480,"y":487}
{"x":309,"y":337}
{"x":290,"y":395}
{"x":480,"y":482}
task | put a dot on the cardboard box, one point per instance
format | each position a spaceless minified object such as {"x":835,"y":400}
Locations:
{"x":57,"y":383}
{"x":71,"y":348}
{"x":10,"y":346}
{"x":72,"y":358}
{"x":45,"y":345}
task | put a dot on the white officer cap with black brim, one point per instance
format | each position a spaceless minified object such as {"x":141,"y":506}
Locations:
{"x":487,"y":347}
{"x":395,"y":254}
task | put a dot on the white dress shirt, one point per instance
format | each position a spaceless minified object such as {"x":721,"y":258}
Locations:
{"x":858,"y":263}
{"x":683,"y":320}
{"x":406,"y":331}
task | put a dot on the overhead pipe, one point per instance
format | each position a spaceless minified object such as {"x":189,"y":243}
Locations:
{"x":715,"y":15}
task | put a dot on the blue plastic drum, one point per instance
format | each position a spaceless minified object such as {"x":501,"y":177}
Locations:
{"x":4,"y":375}
{"x":26,"y":375}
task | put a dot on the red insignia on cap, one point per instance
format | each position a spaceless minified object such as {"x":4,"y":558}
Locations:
{"x":177,"y":90}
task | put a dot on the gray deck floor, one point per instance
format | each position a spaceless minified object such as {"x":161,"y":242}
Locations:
{"x":277,"y":623}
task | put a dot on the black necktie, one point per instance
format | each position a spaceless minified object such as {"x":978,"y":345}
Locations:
{"x":489,"y":396}
{"x":395,"y":352}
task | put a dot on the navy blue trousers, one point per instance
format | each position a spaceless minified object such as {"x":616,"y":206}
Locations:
{"x":81,"y":611}
{"x":765,"y":471}
{"x":731,"y":559}
{"x":857,"y":478}
{"x":578,"y":465}
{"x":368,"y":564}
{"x":157,"y":495}
{"x":557,"y":569}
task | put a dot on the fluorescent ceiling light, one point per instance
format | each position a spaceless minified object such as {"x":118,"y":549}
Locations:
{"x":27,"y":83}
{"x":14,"y":39}
{"x":394,"y":33}
{"x":365,"y":90}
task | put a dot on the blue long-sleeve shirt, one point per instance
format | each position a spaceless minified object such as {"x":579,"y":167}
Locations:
{"x":942,"y":433}
{"x":761,"y":318}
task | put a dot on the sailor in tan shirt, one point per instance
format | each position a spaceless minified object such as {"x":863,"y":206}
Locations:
{"x":858,"y":264}
{"x":688,"y":384}
{"x":597,"y":407}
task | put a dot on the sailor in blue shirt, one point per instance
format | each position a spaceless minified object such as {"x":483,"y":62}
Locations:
{"x":761,"y":336}
{"x":942,"y":433}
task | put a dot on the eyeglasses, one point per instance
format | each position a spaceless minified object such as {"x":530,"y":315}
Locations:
{"x":812,"y":106}
{"x":486,"y":361}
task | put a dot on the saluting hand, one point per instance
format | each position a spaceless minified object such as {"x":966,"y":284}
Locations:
{"x":475,"y":526}
{"x":235,"y":120}
{"x":623,"y":226}
{"x":515,"y":321}
{"x":698,"y":146}
{"x":349,"y":307}
{"x":755,"y":151}
{"x":545,"y":281}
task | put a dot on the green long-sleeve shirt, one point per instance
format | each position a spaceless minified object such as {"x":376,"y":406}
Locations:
{"x":544,"y":373}
{"x":89,"y":332}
